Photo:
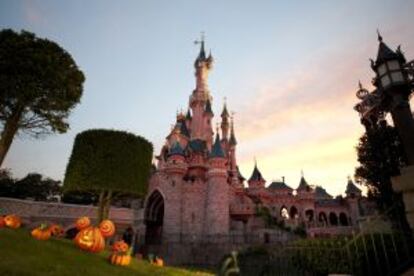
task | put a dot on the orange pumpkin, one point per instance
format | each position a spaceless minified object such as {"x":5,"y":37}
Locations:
{"x":41,"y":233}
{"x":82,"y":223}
{"x":90,"y":239}
{"x":158,"y":262}
{"x":120,"y":247}
{"x":56,"y":230}
{"x":2,"y":223}
{"x":12,"y":221}
{"x":107,"y":228}
{"x":122,"y":260}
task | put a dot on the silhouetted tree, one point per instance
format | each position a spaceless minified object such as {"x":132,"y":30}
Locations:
{"x":381,"y":155}
{"x":40,"y":84}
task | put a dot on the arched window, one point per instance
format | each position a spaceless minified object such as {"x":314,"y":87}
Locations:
{"x":323,"y":218}
{"x":293,"y":212}
{"x":284,"y":213}
{"x":333,"y":219}
{"x":309,"y":215}
{"x":343,"y":219}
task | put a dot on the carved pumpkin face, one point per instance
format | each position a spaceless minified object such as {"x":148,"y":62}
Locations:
{"x":82,"y":223}
{"x":12,"y":221}
{"x":120,"y":247}
{"x":107,"y":228}
{"x":90,"y":239}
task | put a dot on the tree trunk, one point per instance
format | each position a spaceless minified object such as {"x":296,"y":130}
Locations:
{"x":107,"y":204}
{"x":10,"y":128}
{"x":101,"y":206}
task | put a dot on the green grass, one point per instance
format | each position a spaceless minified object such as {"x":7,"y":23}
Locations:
{"x":20,"y":254}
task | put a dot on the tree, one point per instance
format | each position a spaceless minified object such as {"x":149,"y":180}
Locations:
{"x":110,"y":163}
{"x":381,"y":155}
{"x":39,"y":85}
{"x":33,"y":185}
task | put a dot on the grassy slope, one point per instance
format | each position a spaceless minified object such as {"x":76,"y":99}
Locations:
{"x":20,"y":254}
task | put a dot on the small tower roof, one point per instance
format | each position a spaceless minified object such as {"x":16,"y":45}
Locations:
{"x":385,"y":53}
{"x":232,"y":140}
{"x":303,"y":184}
{"x":217,"y":150}
{"x":240,"y":176}
{"x":256,"y":175}
{"x":225,"y":113}
{"x":351,"y":188}
{"x":208,"y":107}
{"x":176,"y":149}
{"x":188,"y":115}
{"x":183,"y":129}
{"x":321,"y":193}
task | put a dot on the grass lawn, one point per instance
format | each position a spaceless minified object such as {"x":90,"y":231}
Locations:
{"x":20,"y":254}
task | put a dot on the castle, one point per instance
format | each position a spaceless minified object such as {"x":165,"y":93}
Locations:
{"x":197,"y":190}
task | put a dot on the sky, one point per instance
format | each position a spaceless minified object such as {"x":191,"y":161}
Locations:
{"x":289,"y":71}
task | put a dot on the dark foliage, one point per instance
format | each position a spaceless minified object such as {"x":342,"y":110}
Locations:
{"x":80,"y":197}
{"x":381,"y":155}
{"x":33,"y":186}
{"x":40,"y":84}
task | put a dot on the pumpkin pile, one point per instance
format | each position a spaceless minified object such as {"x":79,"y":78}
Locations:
{"x":121,"y":254}
{"x":90,"y":238}
{"x":11,"y":221}
{"x":56,"y":230}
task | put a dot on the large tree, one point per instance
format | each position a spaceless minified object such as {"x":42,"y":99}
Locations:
{"x":40,"y":84}
{"x":381,"y":155}
{"x":110,"y":163}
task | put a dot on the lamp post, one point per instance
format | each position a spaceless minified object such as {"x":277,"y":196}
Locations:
{"x":394,"y":84}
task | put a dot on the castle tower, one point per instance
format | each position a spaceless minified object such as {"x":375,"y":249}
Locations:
{"x":217,"y":207}
{"x":353,"y":195}
{"x":175,"y":168}
{"x":200,"y":99}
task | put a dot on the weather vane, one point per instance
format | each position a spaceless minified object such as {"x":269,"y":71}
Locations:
{"x":202,"y":37}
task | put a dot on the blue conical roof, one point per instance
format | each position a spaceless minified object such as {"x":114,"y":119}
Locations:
{"x":256,"y":175}
{"x":217,"y":150}
{"x":176,"y":149}
{"x":208,"y":108}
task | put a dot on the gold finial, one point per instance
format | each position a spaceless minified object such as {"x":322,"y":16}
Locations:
{"x":301,"y":173}
{"x":379,"y":36}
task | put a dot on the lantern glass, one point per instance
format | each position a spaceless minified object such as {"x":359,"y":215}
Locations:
{"x":393,"y":65}
{"x":397,"y":76}
{"x":385,"y":80}
{"x":382,"y":69}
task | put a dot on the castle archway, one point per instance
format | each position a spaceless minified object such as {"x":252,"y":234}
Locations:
{"x":293,"y":212}
{"x":284,"y":213}
{"x":333,"y":219}
{"x":323,"y":218}
{"x":343,"y":219}
{"x":154,"y":218}
{"x":309,"y":215}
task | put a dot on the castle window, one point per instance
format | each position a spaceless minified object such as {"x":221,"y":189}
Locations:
{"x":173,"y":183}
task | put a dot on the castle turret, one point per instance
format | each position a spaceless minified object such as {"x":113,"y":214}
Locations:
{"x":256,"y":180}
{"x":225,"y":122}
{"x":217,"y":207}
{"x":201,"y":95}
{"x":353,"y":195}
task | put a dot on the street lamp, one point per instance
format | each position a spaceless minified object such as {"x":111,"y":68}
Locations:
{"x":394,"y":83}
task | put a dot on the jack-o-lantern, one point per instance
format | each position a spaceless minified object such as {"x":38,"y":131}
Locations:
{"x":90,"y":239}
{"x":158,"y":261}
{"x":41,"y":233}
{"x":2,"y":223}
{"x":12,"y":221}
{"x":56,"y":230}
{"x":122,"y":260}
{"x":120,"y":247}
{"x":82,"y":223}
{"x":107,"y":228}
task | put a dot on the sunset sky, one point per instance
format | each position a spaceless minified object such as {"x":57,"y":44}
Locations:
{"x":289,"y":70}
